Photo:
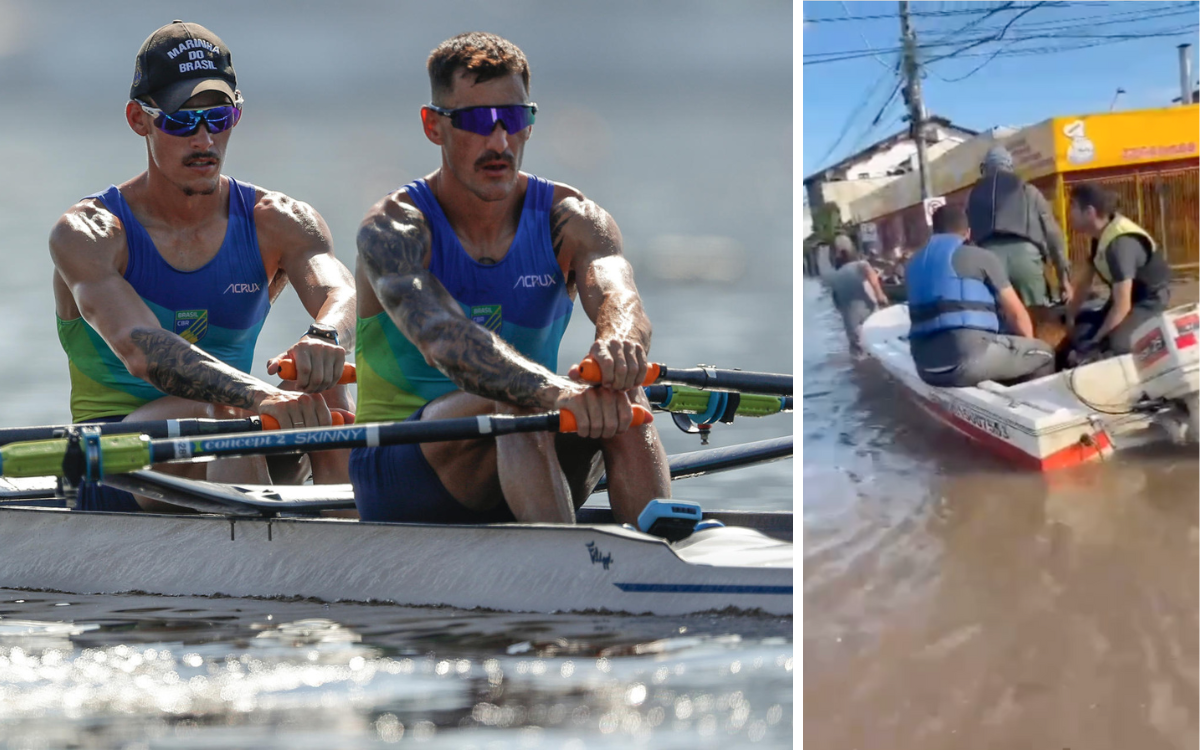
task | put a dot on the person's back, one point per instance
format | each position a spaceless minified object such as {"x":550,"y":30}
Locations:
{"x":848,"y":285}
{"x":956,"y":294}
{"x":1012,"y":219}
{"x":857,"y":293}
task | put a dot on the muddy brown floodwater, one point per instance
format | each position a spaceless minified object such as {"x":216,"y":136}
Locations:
{"x":951,"y":602}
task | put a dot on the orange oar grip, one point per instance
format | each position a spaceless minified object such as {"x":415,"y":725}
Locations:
{"x":271,"y":423}
{"x":567,"y":423}
{"x":287,"y":371}
{"x":589,"y":370}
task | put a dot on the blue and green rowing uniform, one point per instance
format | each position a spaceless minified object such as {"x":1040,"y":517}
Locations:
{"x":522,"y":299}
{"x":219,"y":307}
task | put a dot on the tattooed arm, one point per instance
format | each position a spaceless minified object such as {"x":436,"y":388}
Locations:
{"x":89,"y":252}
{"x":588,"y":245}
{"x":393,"y":248}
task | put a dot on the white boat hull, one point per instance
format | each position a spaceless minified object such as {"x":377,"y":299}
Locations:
{"x":510,"y":567}
{"x":1042,"y":424}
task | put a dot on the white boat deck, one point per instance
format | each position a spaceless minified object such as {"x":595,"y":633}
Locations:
{"x":1037,"y":405}
{"x":1055,"y":421}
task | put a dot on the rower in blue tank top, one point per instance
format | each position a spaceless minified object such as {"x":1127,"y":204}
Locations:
{"x":162,"y":283}
{"x":466,"y":280}
{"x":522,"y":298}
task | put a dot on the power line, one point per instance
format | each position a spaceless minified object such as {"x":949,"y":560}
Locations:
{"x":847,"y":55}
{"x":1054,"y":28}
{"x":853,"y":114}
{"x":993,"y":38}
{"x":942,"y":13}
{"x":863,"y":36}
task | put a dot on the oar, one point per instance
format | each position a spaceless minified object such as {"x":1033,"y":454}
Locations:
{"x":287,"y":371}
{"x":117,"y":454}
{"x":681,"y":399}
{"x":715,"y":460}
{"x":683,"y":466}
{"x":709,"y":378}
{"x":162,"y":428}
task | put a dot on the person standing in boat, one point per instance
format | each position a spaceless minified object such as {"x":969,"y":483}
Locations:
{"x":162,"y":284}
{"x":957,"y":293}
{"x":1127,"y":260}
{"x":466,"y":283}
{"x":1012,"y":219}
{"x":857,"y":293}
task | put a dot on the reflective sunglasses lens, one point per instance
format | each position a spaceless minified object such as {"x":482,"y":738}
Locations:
{"x":220,"y":119}
{"x":482,"y":120}
{"x":515,"y":119}
{"x":180,"y":123}
{"x":187,"y":122}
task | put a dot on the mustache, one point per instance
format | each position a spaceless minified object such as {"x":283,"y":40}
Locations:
{"x":491,"y":156}
{"x":201,"y":156}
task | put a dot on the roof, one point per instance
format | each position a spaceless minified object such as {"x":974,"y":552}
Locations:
{"x":884,"y":144}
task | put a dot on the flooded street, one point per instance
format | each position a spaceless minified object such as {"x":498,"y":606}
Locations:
{"x":950,"y":602}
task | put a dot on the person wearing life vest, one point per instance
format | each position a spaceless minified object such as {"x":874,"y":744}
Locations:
{"x":1012,"y":219}
{"x":958,"y":295}
{"x":1128,"y":261}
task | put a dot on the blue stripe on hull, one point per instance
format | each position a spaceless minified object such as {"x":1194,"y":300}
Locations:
{"x":700,"y":588}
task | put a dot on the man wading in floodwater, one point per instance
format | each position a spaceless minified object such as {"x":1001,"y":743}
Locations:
{"x":857,"y":293}
{"x":466,"y":280}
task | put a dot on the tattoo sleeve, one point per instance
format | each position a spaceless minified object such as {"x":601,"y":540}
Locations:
{"x":180,"y":369}
{"x":559,"y":216}
{"x":473,"y":358}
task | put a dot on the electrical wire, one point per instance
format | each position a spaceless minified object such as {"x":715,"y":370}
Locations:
{"x":863,"y":36}
{"x":854,"y":113}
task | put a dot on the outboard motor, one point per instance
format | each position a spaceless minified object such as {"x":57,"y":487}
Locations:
{"x":1166,"y":352}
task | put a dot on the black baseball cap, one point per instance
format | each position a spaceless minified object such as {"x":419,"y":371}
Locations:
{"x":179,"y":61}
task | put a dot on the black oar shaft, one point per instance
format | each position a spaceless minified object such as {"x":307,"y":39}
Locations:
{"x":349,"y":436}
{"x":715,"y":460}
{"x":162,"y":428}
{"x":711,"y":378}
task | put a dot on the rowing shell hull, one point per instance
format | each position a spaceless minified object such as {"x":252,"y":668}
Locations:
{"x":1042,"y":424}
{"x":510,"y":567}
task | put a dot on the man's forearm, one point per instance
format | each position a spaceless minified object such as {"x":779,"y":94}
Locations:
{"x":621,"y":316}
{"x":177,"y":368}
{"x":1056,"y":243}
{"x":479,"y":362}
{"x":1116,"y":315}
{"x":339,"y":312}
{"x":473,"y":358}
{"x":1058,"y":258}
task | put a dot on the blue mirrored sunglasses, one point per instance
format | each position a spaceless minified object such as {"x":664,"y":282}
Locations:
{"x":187,"y":121}
{"x":482,"y":120}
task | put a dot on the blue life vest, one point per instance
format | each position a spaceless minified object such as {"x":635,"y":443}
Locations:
{"x":941,"y":300}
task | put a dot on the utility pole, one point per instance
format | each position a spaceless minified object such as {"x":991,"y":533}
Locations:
{"x":1185,"y":75}
{"x":912,"y":91}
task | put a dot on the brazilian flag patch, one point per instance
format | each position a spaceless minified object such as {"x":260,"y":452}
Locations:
{"x":191,"y":325}
{"x":487,"y":316}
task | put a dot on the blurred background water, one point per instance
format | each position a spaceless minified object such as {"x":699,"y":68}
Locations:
{"x":675,"y":116}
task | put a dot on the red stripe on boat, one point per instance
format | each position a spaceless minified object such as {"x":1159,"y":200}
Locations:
{"x":1069,"y":456}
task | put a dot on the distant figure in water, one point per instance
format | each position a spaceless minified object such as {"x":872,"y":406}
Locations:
{"x":857,"y":292}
